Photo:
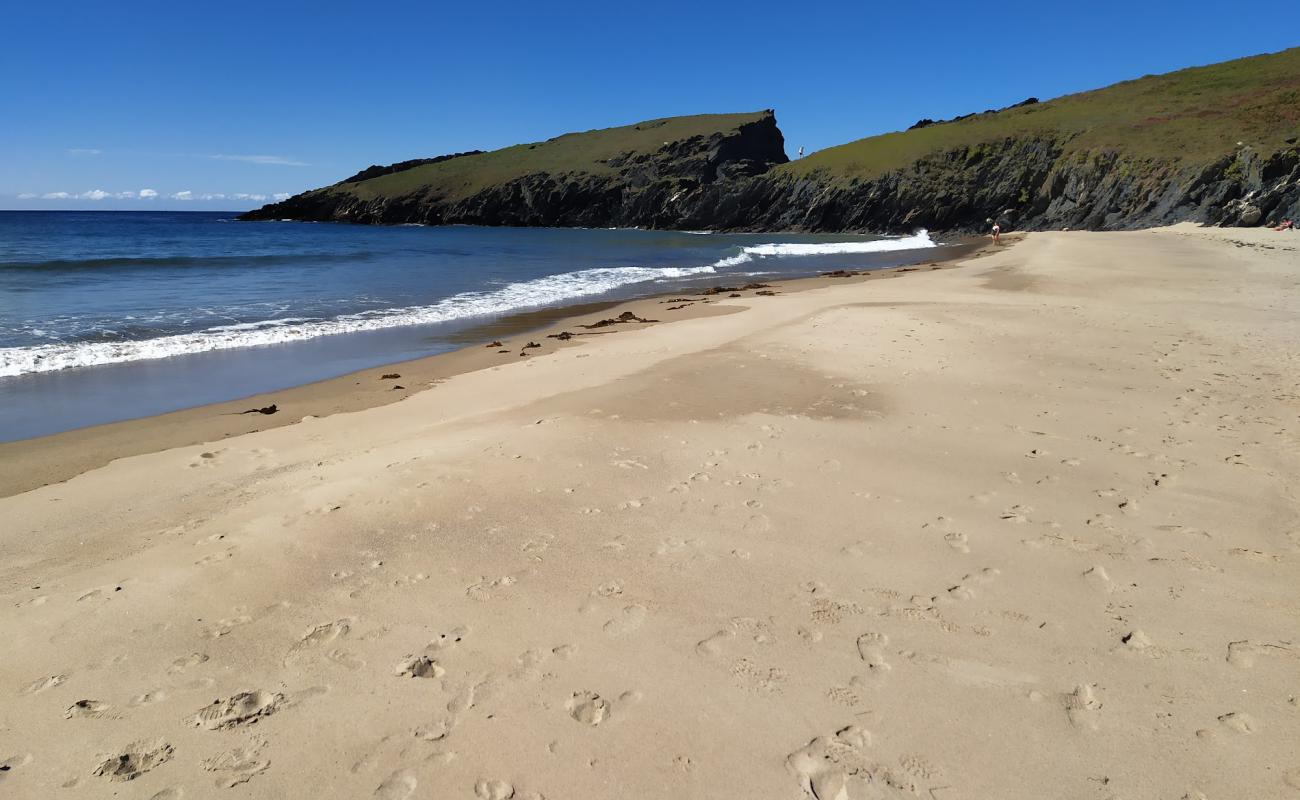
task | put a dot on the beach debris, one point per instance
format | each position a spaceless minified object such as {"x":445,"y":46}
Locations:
{"x":493,"y":344}
{"x":728,"y":289}
{"x":503,"y":351}
{"x":271,"y":409}
{"x":765,"y":293}
{"x":679,"y":300}
{"x":563,"y":336}
{"x":684,"y":305}
{"x":841,"y":273}
{"x":625,"y":317}
{"x":531,"y":346}
{"x":389,"y":376}
{"x":398,"y":386}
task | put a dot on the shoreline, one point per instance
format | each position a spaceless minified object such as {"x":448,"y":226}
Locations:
{"x":30,"y":463}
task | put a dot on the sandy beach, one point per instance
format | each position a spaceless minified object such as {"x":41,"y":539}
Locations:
{"x":1024,"y":528}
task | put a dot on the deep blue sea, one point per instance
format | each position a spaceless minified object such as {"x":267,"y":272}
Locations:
{"x":113,"y":315}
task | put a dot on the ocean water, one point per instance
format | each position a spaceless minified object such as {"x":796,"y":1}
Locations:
{"x":113,"y":315}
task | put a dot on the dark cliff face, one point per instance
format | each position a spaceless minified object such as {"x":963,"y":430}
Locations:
{"x":634,"y":189}
{"x":731,"y":180}
{"x":1025,"y":184}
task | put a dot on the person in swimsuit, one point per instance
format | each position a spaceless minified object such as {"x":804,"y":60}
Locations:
{"x":997,"y":233}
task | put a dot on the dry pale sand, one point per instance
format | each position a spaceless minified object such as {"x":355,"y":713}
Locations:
{"x":1023,"y":529}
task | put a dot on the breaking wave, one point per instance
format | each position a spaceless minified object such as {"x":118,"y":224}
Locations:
{"x":548,"y":290}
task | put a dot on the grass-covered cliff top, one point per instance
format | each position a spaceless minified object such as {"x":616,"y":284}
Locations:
{"x":1190,"y":116}
{"x":584,"y":152}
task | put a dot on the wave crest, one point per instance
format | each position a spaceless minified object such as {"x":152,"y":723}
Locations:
{"x":917,"y":241}
{"x":548,"y":290}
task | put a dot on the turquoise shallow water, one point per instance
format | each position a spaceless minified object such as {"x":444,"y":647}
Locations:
{"x":113,"y":315}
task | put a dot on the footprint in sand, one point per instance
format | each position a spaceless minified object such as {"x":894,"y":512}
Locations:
{"x":216,"y":558}
{"x":225,"y":626}
{"x":10,"y":763}
{"x":493,"y":790}
{"x":148,"y":698}
{"x":238,"y":765}
{"x":838,"y":767}
{"x":1244,"y":653}
{"x":41,"y":684}
{"x":186,"y":662}
{"x":1017,"y":513}
{"x":871,"y":650}
{"x":712,"y":645}
{"x":487,"y":587}
{"x":1081,"y":706}
{"x":957,"y":541}
{"x":240,"y":709}
{"x":135,"y":759}
{"x":628,"y":620}
{"x":754,"y":678}
{"x":1097,"y":577}
{"x":587,"y":707}
{"x":419,"y":666}
{"x":318,"y":636}
{"x":344,"y":659}
{"x":1292,"y":777}
{"x":1136,"y":642}
{"x":87,"y":709}
{"x":398,"y":786}
{"x":104,"y":593}
{"x":1239,"y":722}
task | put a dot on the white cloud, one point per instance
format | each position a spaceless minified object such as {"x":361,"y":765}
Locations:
{"x":185,"y":195}
{"x":84,"y":151}
{"x":279,"y":160}
{"x":278,"y":196}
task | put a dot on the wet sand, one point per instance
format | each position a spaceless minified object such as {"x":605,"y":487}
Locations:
{"x":1024,"y":528}
{"x":29,"y":463}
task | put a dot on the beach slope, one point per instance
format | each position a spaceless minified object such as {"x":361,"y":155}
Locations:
{"x":1026,"y":528}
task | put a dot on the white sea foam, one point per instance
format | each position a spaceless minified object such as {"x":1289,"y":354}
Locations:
{"x":917,"y":241}
{"x":548,"y":290}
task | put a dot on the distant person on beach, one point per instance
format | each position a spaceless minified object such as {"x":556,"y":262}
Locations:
{"x":997,"y":233}
{"x":801,"y":152}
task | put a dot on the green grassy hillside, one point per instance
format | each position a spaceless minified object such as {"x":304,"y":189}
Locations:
{"x":573,"y":153}
{"x":1190,"y":116}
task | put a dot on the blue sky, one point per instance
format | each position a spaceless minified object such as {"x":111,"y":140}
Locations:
{"x":140,"y":105}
